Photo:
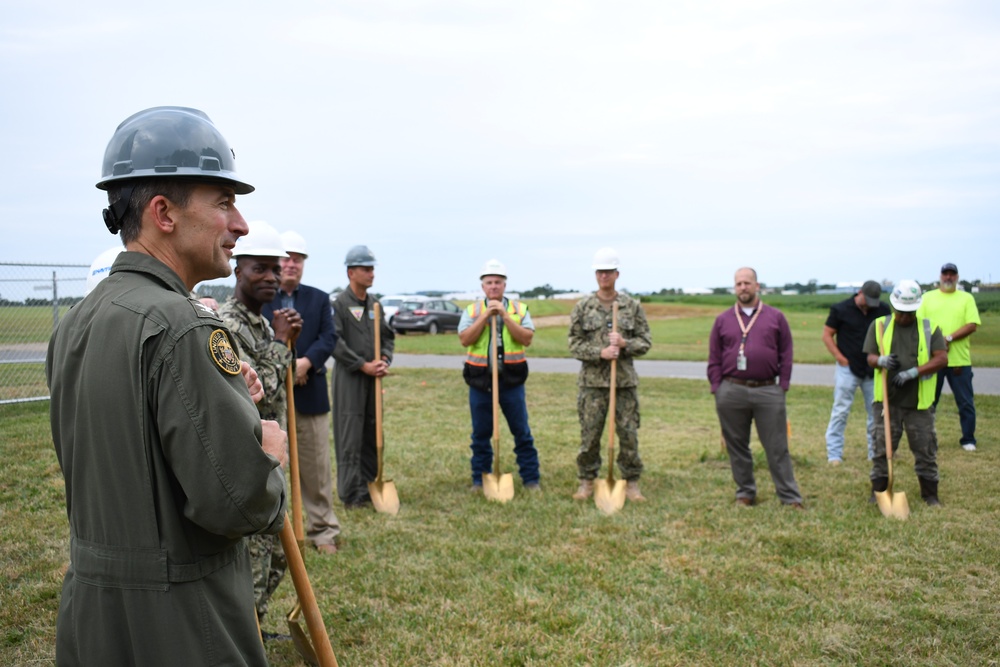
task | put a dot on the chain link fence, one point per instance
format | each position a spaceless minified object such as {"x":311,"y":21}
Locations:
{"x":33,"y":298}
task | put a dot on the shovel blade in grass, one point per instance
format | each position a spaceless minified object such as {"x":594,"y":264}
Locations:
{"x":498,"y":487}
{"x":893,"y":505}
{"x":609,"y":496}
{"x":384,"y":497}
{"x":299,"y":638}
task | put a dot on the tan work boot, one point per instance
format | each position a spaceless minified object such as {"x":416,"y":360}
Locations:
{"x":585,"y":491}
{"x":633,"y":493}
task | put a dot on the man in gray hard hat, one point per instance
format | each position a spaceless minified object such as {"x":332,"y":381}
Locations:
{"x":596,"y":345}
{"x":167,"y":463}
{"x":258,"y":271}
{"x":354,"y":371}
{"x":516,"y":332}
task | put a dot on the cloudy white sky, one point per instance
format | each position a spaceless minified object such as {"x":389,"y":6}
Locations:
{"x":835,"y":141}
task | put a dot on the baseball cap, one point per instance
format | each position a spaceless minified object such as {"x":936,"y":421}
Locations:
{"x":949,"y":267}
{"x":872,"y":291}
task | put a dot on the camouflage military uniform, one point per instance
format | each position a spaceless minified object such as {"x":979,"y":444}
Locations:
{"x":270,"y":359}
{"x":590,"y":325}
{"x":255,"y":339}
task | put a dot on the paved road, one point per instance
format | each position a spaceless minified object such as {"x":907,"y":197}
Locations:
{"x":987,"y":380}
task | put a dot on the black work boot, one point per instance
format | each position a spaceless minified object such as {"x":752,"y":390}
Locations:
{"x":928,"y":491}
{"x":879,"y":484}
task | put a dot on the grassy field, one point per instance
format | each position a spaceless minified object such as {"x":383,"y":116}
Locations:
{"x":685,"y":579}
{"x":680,"y":332}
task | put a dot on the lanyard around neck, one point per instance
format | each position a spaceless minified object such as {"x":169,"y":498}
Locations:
{"x":746,"y":329}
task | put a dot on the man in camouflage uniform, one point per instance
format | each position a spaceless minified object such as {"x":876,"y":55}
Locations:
{"x":592,"y":341}
{"x":258,"y":274}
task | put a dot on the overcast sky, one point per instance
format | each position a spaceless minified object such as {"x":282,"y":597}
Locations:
{"x":836,"y":141}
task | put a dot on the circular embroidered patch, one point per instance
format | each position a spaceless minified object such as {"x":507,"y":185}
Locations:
{"x":223,"y":353}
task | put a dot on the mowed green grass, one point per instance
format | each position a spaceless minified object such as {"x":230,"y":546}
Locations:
{"x":684,"y":579}
{"x":681,"y":332}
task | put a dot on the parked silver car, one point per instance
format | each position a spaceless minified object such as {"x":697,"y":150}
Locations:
{"x":432,"y":316}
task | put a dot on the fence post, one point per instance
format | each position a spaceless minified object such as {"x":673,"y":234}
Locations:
{"x":55,"y":301}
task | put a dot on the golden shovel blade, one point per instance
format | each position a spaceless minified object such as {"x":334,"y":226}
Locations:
{"x":498,"y":487}
{"x":384,"y":497}
{"x":299,"y":637}
{"x":609,"y":497}
{"x":893,"y":504}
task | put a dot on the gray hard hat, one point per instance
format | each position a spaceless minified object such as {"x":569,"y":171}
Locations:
{"x":170,"y":142}
{"x":359,"y":255}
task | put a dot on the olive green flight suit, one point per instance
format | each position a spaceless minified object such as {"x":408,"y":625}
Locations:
{"x":354,"y":394}
{"x":160,"y":447}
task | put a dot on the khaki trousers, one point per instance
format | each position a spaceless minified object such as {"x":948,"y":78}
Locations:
{"x":316,"y":478}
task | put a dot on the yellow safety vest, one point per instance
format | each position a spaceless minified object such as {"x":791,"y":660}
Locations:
{"x":928,"y":383}
{"x":478,"y":354}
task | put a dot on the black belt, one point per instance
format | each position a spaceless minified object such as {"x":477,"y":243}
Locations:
{"x":751,"y":383}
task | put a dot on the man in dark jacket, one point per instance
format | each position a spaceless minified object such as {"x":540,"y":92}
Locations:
{"x":313,"y":348}
{"x":167,"y":463}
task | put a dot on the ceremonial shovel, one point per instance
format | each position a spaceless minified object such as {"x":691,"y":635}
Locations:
{"x":609,"y":494}
{"x":496,"y":486}
{"x":889,"y":504}
{"x":323,"y":653}
{"x":383,"y":493}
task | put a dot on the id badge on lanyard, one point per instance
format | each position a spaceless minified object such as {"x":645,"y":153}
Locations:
{"x":741,"y":357}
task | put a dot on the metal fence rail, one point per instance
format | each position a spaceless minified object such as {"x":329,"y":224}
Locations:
{"x":33,"y":298}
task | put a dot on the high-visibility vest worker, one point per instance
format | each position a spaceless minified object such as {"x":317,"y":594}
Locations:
{"x":514,"y":368}
{"x":925,"y":396}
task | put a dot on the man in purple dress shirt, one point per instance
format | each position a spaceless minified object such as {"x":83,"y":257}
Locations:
{"x":750,"y":368}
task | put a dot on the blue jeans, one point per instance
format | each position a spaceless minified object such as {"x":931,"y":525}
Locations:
{"x":515,"y":411}
{"x":960,"y":381}
{"x":845,"y":386}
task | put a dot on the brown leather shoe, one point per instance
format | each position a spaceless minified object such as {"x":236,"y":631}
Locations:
{"x":326,"y":549}
{"x":744,"y":502}
{"x":633,"y":493}
{"x":585,"y":491}
{"x":797,"y":506}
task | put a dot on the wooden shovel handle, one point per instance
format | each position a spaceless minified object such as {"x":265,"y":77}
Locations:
{"x":307,"y":599}
{"x":293,"y":450}
{"x":612,"y":403}
{"x":496,"y":394}
{"x":886,"y":422}
{"x":379,"y":442}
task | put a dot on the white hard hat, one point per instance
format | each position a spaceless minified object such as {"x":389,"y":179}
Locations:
{"x":493,"y":267}
{"x":605,"y":259}
{"x":263,"y":240}
{"x":905,"y":296}
{"x":101,"y":267}
{"x":293,"y":242}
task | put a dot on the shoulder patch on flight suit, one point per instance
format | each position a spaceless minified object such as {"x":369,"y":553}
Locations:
{"x":222,"y":352}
